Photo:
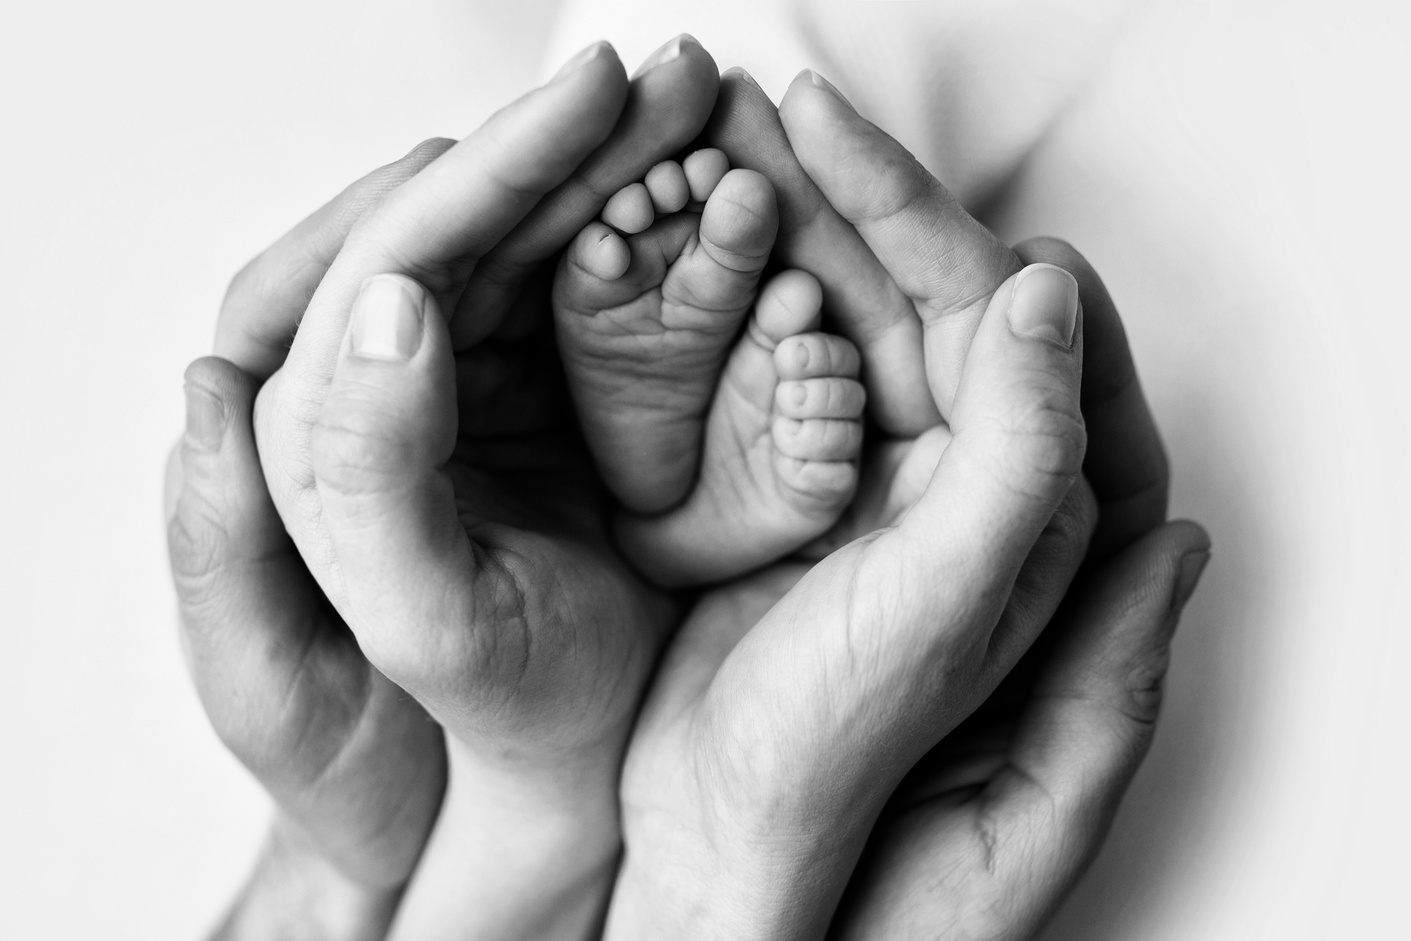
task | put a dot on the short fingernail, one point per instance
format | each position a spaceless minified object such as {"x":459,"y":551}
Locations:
{"x":205,"y":418}
{"x":1044,"y":305}
{"x":582,"y":59}
{"x":744,"y":76}
{"x":667,"y":53}
{"x":821,"y":82}
{"x":1192,"y":565}
{"x":387,"y":319}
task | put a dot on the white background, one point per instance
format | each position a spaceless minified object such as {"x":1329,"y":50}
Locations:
{"x":1236,"y":170}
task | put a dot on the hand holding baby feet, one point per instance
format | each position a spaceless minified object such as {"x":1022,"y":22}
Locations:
{"x":727,"y":451}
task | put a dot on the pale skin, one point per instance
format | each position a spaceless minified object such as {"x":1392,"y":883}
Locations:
{"x":414,"y":364}
{"x":822,"y":782}
{"x":726,"y":423}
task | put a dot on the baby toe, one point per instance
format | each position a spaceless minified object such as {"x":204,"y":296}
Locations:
{"x":827,"y":397}
{"x":817,"y":439}
{"x":790,"y":302}
{"x":601,"y":252}
{"x":740,"y":220}
{"x":704,"y":170}
{"x":827,"y":484}
{"x":666,"y":184}
{"x":815,"y":355}
{"x":630,"y":209}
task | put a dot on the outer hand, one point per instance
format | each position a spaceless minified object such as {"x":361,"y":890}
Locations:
{"x":355,"y":765}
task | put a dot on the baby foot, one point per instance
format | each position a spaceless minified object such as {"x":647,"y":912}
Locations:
{"x":781,"y":448}
{"x":647,"y":304}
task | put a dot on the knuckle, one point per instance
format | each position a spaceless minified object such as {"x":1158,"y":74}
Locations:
{"x":1145,"y":686}
{"x":354,"y":451}
{"x":197,"y":542}
{"x":1039,"y":446}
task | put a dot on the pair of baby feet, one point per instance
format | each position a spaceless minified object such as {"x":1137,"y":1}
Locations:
{"x":726,"y":423}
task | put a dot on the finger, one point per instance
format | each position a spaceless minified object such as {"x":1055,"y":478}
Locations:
{"x":267,"y":297}
{"x":406,"y":577}
{"x":436,"y":226}
{"x":1017,"y":447}
{"x":861,"y":299}
{"x":248,"y":607}
{"x":667,"y":105}
{"x":1126,"y":462}
{"x":944,"y":260}
{"x":1039,"y":821}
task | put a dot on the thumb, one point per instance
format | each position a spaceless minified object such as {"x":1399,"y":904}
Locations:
{"x":405,"y":575}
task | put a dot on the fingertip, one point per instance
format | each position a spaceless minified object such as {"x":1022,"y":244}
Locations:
{"x":388,"y":318}
{"x":1043,"y":305}
{"x":598,"y":56}
{"x":216,"y":392}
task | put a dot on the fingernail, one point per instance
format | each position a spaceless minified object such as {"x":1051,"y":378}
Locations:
{"x":744,"y":76}
{"x":1192,"y":566}
{"x":1044,"y":305}
{"x":387,"y":319}
{"x":205,"y":418}
{"x":582,"y":59}
{"x":821,"y":82}
{"x":665,"y":54}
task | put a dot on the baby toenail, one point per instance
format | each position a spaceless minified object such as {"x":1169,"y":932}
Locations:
{"x":800,"y":393}
{"x":801,"y":357}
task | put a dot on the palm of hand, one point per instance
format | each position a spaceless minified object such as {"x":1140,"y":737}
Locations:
{"x":577,"y":632}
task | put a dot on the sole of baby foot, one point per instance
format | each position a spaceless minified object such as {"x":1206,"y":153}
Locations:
{"x":646,"y":319}
{"x":780,"y":460}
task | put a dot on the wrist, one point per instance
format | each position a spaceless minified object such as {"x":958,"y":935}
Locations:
{"x":516,"y":852}
{"x":295,"y":891}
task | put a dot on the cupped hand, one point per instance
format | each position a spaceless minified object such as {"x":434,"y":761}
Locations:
{"x":768,"y":745}
{"x":356,"y":767}
{"x":420,"y":450}
{"x":260,"y":628}
{"x":754,"y":778}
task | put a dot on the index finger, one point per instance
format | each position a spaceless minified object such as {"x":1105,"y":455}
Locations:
{"x":436,"y":226}
{"x":267,"y":297}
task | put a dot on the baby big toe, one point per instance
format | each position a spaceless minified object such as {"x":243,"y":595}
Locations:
{"x":740,"y":221}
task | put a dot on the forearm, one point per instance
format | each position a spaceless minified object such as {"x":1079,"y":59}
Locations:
{"x":296,"y":894}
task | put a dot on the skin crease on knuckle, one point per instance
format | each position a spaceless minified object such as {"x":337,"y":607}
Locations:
{"x":1033,"y":452}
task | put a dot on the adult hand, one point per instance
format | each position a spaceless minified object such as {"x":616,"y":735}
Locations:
{"x":796,"y":734}
{"x":432,"y":478}
{"x":356,"y":767}
{"x":252,"y":611}
{"x":760,"y":762}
